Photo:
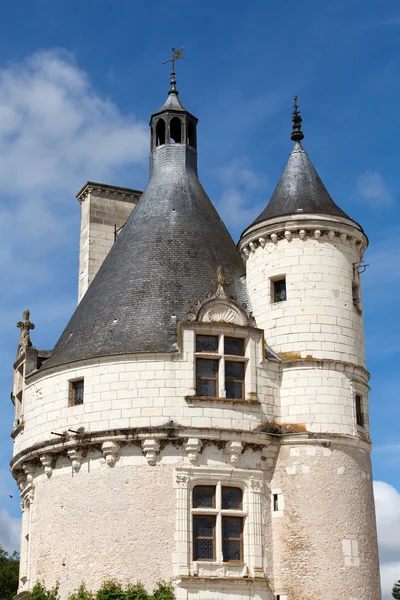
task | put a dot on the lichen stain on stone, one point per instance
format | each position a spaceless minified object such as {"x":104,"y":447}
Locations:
{"x":299,"y":558}
{"x":289,"y":355}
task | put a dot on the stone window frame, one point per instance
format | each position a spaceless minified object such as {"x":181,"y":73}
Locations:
{"x":361,"y":389}
{"x":251,"y":483}
{"x":252,"y":339}
{"x":278,"y":511}
{"x":71,"y":391}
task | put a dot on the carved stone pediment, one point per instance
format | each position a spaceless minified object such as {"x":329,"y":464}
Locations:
{"x":219,"y":307}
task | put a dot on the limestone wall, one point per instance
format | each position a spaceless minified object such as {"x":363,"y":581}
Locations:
{"x":104,"y":209}
{"x":325,"y":537}
{"x":144,"y":390}
{"x":318,"y":318}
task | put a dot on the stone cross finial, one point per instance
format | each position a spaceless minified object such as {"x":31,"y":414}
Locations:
{"x":25,"y":326}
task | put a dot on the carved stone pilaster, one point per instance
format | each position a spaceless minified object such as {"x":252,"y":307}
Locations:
{"x":234,"y":450}
{"x":193,"y":448}
{"x":150,"y":449}
{"x":48,"y":461}
{"x":110,"y":452}
{"x":76,"y":456}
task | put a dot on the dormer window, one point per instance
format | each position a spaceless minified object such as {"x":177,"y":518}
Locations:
{"x":220,"y":367}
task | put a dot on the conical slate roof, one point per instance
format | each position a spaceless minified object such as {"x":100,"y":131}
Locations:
{"x":300,"y":190}
{"x":164,"y":259}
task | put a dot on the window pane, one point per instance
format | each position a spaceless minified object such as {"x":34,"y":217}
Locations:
{"x":207,"y":368}
{"x":234,"y":346}
{"x":232,"y":538}
{"x":231,"y":498}
{"x":77,"y":392}
{"x":232,"y":527}
{"x":204,"y":527}
{"x":206,"y":343}
{"x":204,"y":496}
{"x":280,"y":290}
{"x":234,"y":370}
{"x":234,"y":391}
{"x":231,"y":551}
{"x":206,"y":388}
{"x":204,"y":550}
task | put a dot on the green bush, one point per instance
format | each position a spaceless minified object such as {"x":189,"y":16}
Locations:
{"x":111,"y":590}
{"x":163,"y":591}
{"x":136,"y":592}
{"x":82,"y":594}
{"x":39,"y":592}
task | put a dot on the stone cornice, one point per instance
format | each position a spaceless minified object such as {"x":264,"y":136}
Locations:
{"x":112,"y":192}
{"x":153,"y":439}
{"x":320,"y":227}
{"x":289,"y":361}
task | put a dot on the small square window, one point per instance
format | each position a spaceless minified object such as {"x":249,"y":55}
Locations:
{"x":206,"y":343}
{"x":359,"y":413}
{"x":77,"y":389}
{"x":234,"y":346}
{"x":275,"y":500}
{"x":279,"y":290}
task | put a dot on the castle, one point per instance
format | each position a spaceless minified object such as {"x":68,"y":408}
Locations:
{"x":203,"y":417}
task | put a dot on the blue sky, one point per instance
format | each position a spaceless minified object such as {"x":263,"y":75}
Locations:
{"x":78,"y":81}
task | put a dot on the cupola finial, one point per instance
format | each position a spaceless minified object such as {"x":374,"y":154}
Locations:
{"x":176,"y":55}
{"x":297,"y":134}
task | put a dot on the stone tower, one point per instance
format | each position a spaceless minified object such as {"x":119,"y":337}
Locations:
{"x":187,"y":426}
{"x":303,"y":262}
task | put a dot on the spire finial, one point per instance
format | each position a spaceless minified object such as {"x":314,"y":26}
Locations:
{"x":297,"y":134}
{"x":176,"y":55}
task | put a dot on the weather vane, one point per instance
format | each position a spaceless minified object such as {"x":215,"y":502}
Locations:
{"x":176,"y":55}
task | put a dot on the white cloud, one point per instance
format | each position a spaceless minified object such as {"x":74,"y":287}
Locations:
{"x":10,"y":529}
{"x":372,"y":189}
{"x":56,"y":132}
{"x":241,"y":182}
{"x":387,"y":501}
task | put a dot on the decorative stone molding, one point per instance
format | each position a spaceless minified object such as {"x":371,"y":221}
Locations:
{"x":110,"y":452}
{"x":76,"y":456}
{"x":317,"y":227}
{"x":193,"y":449}
{"x":47,"y":461}
{"x":219,"y":307}
{"x":151,"y":448}
{"x":234,"y":450}
{"x":29,"y":469}
{"x":101,"y":190}
{"x":21,"y":481}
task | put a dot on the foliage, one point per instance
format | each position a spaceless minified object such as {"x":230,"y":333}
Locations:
{"x":82,"y":594}
{"x":136,"y":592}
{"x":9,"y":569}
{"x":111,"y":590}
{"x":40,"y":592}
{"x":396,"y":590}
{"x":163,"y":591}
